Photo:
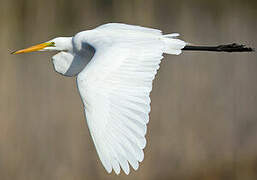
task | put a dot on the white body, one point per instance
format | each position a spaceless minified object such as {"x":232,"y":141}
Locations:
{"x":116,"y":64}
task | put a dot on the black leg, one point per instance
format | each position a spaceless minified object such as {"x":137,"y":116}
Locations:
{"x":221,"y":48}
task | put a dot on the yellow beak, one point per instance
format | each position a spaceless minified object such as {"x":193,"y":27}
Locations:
{"x":34,"y":48}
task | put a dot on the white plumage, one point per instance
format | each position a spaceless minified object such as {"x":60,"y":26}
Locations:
{"x":115,"y":65}
{"x":115,"y":88}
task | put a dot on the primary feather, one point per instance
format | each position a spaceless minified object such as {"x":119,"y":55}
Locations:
{"x":115,"y":87}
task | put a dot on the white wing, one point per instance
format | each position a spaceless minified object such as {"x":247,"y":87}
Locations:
{"x":134,"y":28}
{"x":115,"y":88}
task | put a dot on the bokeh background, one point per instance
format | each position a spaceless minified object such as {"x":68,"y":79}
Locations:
{"x":203,"y":123}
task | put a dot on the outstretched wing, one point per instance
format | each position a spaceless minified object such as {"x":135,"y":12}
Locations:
{"x":115,"y":88}
{"x":134,"y":28}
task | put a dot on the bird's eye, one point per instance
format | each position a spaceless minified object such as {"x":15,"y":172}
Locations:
{"x":52,"y":44}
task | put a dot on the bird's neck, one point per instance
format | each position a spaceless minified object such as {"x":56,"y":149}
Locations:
{"x":67,"y":44}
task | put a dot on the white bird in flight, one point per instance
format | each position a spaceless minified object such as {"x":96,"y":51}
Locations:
{"x":115,"y":65}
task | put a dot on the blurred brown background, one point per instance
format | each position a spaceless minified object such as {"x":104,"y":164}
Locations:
{"x":203,"y":123}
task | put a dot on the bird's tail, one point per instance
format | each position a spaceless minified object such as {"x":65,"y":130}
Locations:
{"x":172,"y":44}
{"x":176,"y":46}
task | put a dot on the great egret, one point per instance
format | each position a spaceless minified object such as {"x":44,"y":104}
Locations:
{"x":115,"y":65}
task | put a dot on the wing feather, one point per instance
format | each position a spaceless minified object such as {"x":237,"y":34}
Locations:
{"x":122,"y":26}
{"x":115,"y":88}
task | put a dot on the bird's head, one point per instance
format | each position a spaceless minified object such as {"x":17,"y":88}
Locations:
{"x":56,"y":44}
{"x":65,"y":62}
